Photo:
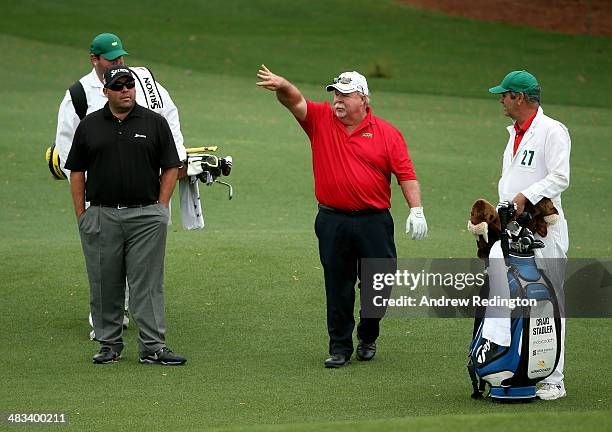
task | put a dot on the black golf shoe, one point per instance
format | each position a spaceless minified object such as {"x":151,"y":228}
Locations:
{"x":366,"y":351}
{"x":337,"y":361}
{"x":164,"y":356}
{"x":106,"y":355}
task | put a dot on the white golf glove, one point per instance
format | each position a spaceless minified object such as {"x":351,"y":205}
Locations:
{"x":416,"y":221}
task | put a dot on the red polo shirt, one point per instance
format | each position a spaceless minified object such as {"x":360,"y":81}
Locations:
{"x":353,"y":171}
{"x":520,"y":131}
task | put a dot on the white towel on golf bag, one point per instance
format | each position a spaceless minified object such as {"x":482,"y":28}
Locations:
{"x":192,"y":214}
{"x":497,"y":329}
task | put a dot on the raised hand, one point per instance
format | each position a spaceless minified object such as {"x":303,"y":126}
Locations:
{"x":270,"y":80}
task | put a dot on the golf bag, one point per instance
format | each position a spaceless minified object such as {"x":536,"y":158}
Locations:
{"x":513,"y":371}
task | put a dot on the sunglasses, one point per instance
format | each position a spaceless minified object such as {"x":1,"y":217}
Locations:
{"x":118,"y":86}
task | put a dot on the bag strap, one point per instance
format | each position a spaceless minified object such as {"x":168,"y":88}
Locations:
{"x":145,"y":79}
{"x":79,"y":99}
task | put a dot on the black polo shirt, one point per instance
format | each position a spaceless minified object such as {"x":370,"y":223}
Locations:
{"x":122,"y":158}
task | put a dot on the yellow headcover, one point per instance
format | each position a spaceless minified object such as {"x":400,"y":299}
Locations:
{"x":53,"y":160}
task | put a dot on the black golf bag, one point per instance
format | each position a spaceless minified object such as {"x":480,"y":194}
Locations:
{"x":513,"y":371}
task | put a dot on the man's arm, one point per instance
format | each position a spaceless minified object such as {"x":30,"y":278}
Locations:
{"x":286,"y":93}
{"x":171,"y":114}
{"x":168,"y":181}
{"x":77,"y":188}
{"x":412,"y":192}
{"x":67,"y":122}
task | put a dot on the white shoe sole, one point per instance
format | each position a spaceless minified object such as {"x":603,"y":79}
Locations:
{"x":148,"y":361}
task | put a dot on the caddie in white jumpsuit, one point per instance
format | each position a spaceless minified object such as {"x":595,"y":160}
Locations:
{"x":536,"y":165}
{"x":107,"y":50}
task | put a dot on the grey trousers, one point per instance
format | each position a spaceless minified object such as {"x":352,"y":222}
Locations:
{"x":119,"y":245}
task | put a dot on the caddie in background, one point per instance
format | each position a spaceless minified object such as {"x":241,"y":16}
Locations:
{"x":354,"y":154}
{"x":87,"y":95}
{"x":124,"y":147}
{"x":536,"y":164}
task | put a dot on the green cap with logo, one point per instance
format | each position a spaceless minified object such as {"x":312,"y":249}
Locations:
{"x":518,"y":82}
{"x":108,"y":46}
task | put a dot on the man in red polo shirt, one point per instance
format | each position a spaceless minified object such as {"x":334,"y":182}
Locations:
{"x":354,"y":154}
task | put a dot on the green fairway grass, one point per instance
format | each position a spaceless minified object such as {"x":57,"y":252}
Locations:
{"x":244,"y":297}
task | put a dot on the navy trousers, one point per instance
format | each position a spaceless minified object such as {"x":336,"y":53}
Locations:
{"x":344,"y":239}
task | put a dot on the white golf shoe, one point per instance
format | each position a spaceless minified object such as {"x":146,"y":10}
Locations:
{"x":551,"y":391}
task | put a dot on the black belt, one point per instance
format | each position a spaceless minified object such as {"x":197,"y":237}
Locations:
{"x":124,"y":206}
{"x":350,"y":212}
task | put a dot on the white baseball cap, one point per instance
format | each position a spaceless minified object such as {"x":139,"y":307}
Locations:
{"x":349,"y":82}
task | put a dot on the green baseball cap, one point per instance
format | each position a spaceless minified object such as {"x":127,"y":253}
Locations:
{"x":108,"y":46}
{"x":518,"y":82}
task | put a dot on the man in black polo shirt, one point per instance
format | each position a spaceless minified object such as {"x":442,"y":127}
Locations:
{"x":123,"y":147}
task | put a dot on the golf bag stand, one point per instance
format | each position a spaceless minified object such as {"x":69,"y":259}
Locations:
{"x":535,"y":325}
